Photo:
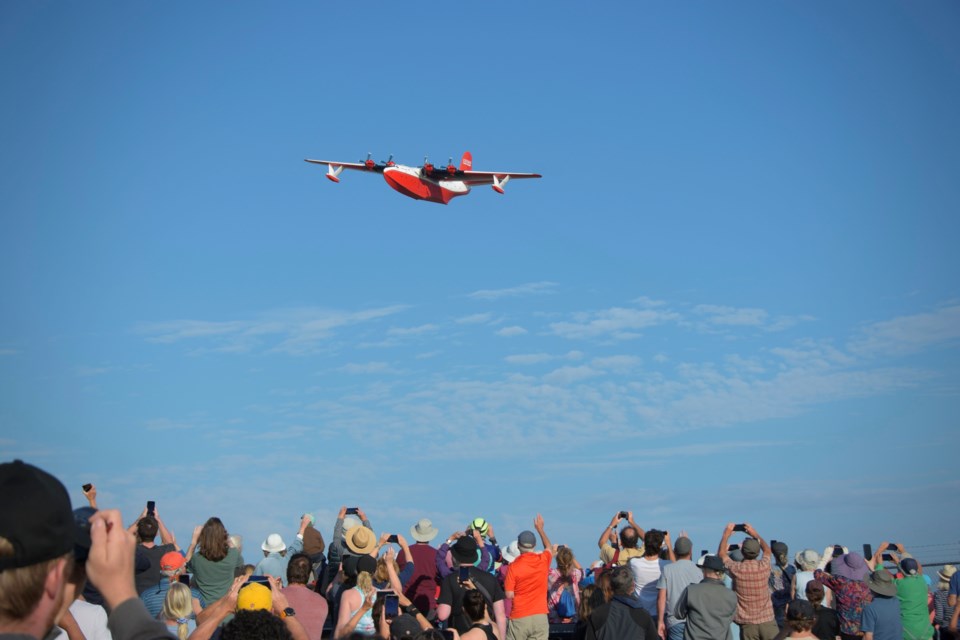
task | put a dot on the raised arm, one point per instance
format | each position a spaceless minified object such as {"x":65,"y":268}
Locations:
{"x":194,"y":539}
{"x":609,"y":534}
{"x":638,"y":528}
{"x":166,"y":536}
{"x":91,"y":496}
{"x":215,"y":613}
{"x":669,"y":543}
{"x":724,"y":539}
{"x":538,"y":525}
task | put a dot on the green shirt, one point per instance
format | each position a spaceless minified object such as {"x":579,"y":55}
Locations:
{"x":214,"y":579}
{"x":912,"y":593}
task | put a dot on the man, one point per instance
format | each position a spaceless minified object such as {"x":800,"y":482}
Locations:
{"x":881,"y":616}
{"x":629,"y":536}
{"x":337,"y":548}
{"x":674,"y":579}
{"x":526,"y":586}
{"x":751,"y":579}
{"x":172,"y":566}
{"x":422,"y":587}
{"x":646,"y":569}
{"x":912,"y":594}
{"x":452,"y":589}
{"x":707,"y":607}
{"x":275,"y":551}
{"x":623,"y":618}
{"x":311,"y":607}
{"x":38,"y":541}
{"x":146,"y":528}
{"x":259,"y":613}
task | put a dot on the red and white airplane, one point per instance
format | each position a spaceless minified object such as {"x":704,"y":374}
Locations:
{"x":427,"y":182}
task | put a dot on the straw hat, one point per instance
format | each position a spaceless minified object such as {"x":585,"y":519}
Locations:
{"x":360,"y":540}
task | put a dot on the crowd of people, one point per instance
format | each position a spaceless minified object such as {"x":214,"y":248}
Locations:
{"x":81,"y":574}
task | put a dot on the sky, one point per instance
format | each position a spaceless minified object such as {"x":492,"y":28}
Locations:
{"x":732,"y":297}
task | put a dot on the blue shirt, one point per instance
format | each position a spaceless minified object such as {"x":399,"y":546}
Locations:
{"x":955,"y":584}
{"x":276,"y":565}
{"x":153,"y":597}
{"x":882,"y":618}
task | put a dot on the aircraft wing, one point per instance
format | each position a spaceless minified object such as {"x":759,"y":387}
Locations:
{"x":359,"y":166}
{"x":492,"y":177}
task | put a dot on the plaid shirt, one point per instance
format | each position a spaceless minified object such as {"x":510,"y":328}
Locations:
{"x":751,"y":583}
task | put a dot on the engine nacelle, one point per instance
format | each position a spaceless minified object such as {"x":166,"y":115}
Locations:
{"x":499,"y":184}
{"x":333,"y":172}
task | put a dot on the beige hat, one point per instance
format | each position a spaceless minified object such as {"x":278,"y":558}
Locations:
{"x":947,"y":572}
{"x":360,"y":540}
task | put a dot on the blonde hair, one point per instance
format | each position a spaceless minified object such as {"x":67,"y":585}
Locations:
{"x":564,"y":561}
{"x":21,"y":588}
{"x":178,"y":606}
{"x":364,"y":581}
{"x":381,"y":575}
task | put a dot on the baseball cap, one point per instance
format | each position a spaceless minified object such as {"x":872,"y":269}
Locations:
{"x":404,"y":626}
{"x":254,"y":596}
{"x":750,"y":548}
{"x":526,"y":540}
{"x":682,"y":546}
{"x":172,"y":560}
{"x":37,"y":518}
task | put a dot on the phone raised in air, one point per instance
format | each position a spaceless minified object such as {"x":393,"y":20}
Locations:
{"x":887,"y":558}
{"x":393,"y":538}
{"x":624,"y":514}
{"x":352,"y":511}
{"x":87,"y":487}
{"x":391,"y":605}
{"x":151,"y":507}
{"x":837,"y":550}
{"x":464,"y":573}
{"x":741,"y":528}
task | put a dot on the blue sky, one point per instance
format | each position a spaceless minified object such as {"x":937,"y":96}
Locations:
{"x":732,"y":297}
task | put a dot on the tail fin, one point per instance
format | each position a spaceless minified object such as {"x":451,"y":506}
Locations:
{"x":466,"y":163}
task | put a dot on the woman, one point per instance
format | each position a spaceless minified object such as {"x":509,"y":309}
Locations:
{"x":212,"y":561}
{"x":563,"y":587}
{"x":177,"y":612}
{"x":850,"y":593}
{"x":807,"y":561}
{"x":942,"y":610}
{"x":475,"y":609}
{"x":800,"y":619}
{"x":591,"y":597}
{"x":355,"y":610}
{"x":827,"y":626}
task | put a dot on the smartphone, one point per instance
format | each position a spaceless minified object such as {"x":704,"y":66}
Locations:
{"x":867,"y":551}
{"x":732,"y":547}
{"x":891,"y":547}
{"x":391,"y":605}
{"x":184,"y":578}
{"x":624,"y":514}
{"x":352,"y":511}
{"x":151,"y":505}
{"x":742,"y":528}
{"x":87,"y":487}
{"x":704,"y":552}
{"x":837,"y":551}
{"x":264,"y":580}
{"x":394,"y":539}
{"x":887,"y":558}
{"x":464,"y":573}
{"x":447,"y":634}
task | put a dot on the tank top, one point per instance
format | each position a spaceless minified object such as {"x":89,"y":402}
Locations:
{"x":365,"y":624}
{"x":803,"y":577}
{"x":487,"y":629}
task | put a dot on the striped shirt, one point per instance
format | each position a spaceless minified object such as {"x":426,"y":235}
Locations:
{"x":154,"y":596}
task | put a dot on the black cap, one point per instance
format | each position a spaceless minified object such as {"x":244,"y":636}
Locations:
{"x":37,"y":519}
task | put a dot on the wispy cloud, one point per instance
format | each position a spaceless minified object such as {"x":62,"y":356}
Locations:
{"x":618,"y":323}
{"x":529,"y":358}
{"x":413,"y":331}
{"x":293,"y":331}
{"x":909,"y":334}
{"x":616,"y":364}
{"x":569,"y":375}
{"x":367,"y":368}
{"x":509,"y":332}
{"x":475,"y":318}
{"x":744,"y":316}
{"x":530,"y":288}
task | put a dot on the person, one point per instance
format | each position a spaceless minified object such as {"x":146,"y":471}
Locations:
{"x":780,"y":581}
{"x":827,"y":625}
{"x":177,"y":611}
{"x":912,"y":593}
{"x":613,"y":553}
{"x":421,"y":588}
{"x":146,"y":528}
{"x":337,"y":548}
{"x":260,"y":612}
{"x":453,"y":589}
{"x":851,"y":593}
{"x":357,"y":597}
{"x":526,"y":586}
{"x":707,"y":607}
{"x":799,"y":620}
{"x":675,"y":577}
{"x":47,"y":553}
{"x":941,"y":607}
{"x":591,"y":597}
{"x":477,"y":614}
{"x":626,"y":617}
{"x":881,"y":616}
{"x":563,"y":587}
{"x":444,"y":558}
{"x":213,"y":563}
{"x":311,"y":607}
{"x":171,"y":566}
{"x":275,"y":552}
{"x":646,"y":569}
{"x":389,"y":575}
{"x":751,"y":584}
{"x":807,"y":561}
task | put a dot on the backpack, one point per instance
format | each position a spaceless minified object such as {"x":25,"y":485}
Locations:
{"x":620,"y":625}
{"x":781,"y":579}
{"x":566,"y":606}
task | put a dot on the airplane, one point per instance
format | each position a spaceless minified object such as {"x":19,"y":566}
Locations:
{"x":428,"y":182}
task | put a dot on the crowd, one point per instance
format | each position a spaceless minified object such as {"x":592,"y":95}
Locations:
{"x":81,"y":574}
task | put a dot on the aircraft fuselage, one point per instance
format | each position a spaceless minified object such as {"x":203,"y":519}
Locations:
{"x":411,"y":182}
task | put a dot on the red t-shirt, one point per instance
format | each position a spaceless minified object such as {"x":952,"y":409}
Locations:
{"x":527,"y":578}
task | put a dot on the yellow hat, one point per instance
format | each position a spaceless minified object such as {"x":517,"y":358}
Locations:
{"x":254,"y":596}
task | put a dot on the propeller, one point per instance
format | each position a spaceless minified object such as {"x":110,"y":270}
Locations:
{"x":389,"y":162}
{"x":450,"y":168}
{"x":427,"y":167}
{"x":369,"y":163}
